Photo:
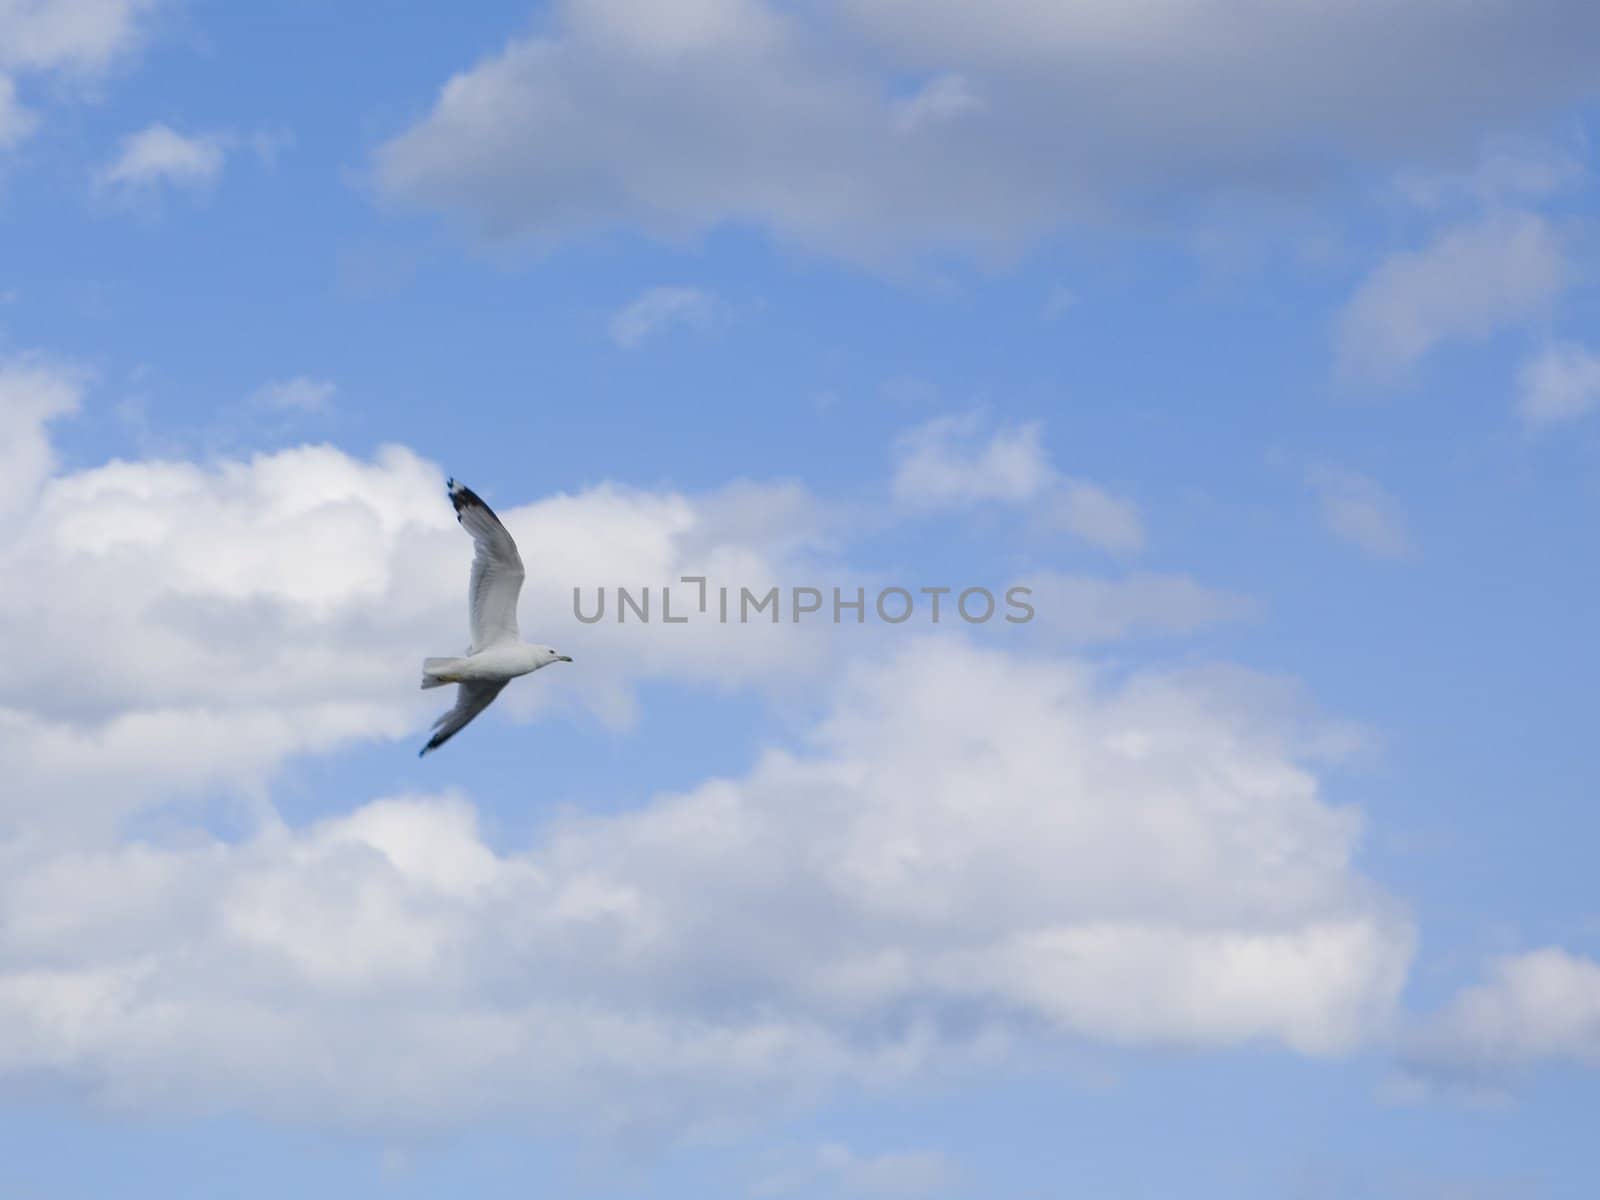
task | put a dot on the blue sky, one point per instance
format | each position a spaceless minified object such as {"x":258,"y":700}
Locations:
{"x":1259,"y":345}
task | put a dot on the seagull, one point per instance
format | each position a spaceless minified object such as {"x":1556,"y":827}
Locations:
{"x":497,"y":654}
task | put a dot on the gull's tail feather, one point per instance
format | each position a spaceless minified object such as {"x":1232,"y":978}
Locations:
{"x":433,"y":667}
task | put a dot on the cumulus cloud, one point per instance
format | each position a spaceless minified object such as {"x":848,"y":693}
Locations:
{"x":970,"y":851}
{"x":159,"y":154}
{"x":239,"y":585}
{"x":948,"y":463}
{"x":33,"y":392}
{"x":1560,"y":382}
{"x":1470,"y":281}
{"x":70,"y":39}
{"x":1536,"y":1007}
{"x":72,"y":35}
{"x":877,"y":127}
{"x":965,"y":851}
{"x":659,"y":308}
{"x":1358,"y":510}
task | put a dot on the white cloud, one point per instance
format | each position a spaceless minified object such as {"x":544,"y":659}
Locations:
{"x":159,"y":154}
{"x":33,"y":392}
{"x":1080,"y":609}
{"x":1358,"y":510}
{"x":302,"y":394}
{"x":938,"y":466}
{"x":1019,"y":117}
{"x":1096,"y":516}
{"x":659,"y":308}
{"x":69,"y":35}
{"x":1470,"y":281}
{"x":970,"y":852}
{"x":1540,"y":1006}
{"x":1560,"y":382}
{"x":278,"y":606}
{"x":70,"y":39}
{"x":947,"y":463}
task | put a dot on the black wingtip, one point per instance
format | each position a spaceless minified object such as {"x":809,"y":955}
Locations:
{"x":461,"y":496}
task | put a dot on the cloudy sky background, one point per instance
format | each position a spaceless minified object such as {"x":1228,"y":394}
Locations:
{"x":1260,"y":342}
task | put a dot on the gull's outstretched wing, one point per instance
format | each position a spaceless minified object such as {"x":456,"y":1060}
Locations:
{"x":496,"y":571}
{"x":471,"y":699}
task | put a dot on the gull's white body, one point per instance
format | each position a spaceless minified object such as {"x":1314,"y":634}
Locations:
{"x":498,"y":663}
{"x":497,"y":654}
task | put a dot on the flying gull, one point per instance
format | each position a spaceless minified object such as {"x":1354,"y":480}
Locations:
{"x":497,"y":654}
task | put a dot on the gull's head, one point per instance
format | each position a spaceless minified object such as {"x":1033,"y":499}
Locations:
{"x":549,"y":654}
